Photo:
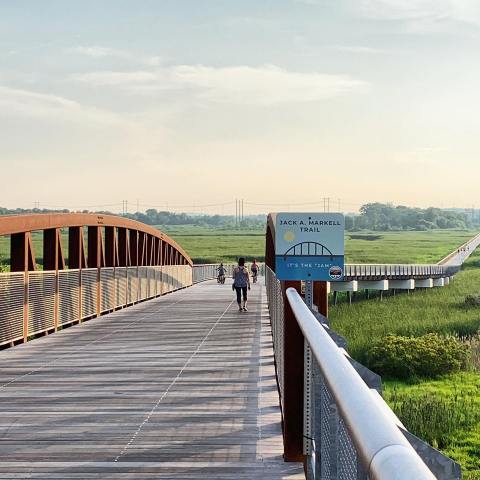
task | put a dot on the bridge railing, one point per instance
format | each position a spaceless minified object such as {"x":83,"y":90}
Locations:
{"x":32,"y":303}
{"x":347,"y":430}
{"x":209,"y":271}
{"x":458,"y":256}
{"x":393,"y":271}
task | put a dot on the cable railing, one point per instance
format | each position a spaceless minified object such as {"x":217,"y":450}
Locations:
{"x":349,"y":432}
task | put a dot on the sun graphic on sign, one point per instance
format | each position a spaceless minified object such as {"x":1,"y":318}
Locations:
{"x":289,"y":236}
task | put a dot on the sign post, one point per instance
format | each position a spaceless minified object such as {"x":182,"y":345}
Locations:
{"x":309,"y":247}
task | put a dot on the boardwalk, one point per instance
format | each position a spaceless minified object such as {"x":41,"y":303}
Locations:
{"x":180,"y":387}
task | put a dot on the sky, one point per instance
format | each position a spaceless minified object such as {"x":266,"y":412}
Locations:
{"x":191,"y":104}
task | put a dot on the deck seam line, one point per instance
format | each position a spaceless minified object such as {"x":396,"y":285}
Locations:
{"x":152,"y":411}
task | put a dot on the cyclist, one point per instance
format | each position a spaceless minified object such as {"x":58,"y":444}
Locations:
{"x":221,"y":273}
{"x":254,"y":268}
{"x":241,"y":282}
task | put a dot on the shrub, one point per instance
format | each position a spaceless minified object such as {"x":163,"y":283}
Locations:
{"x":429,"y":355}
{"x":472,"y":300}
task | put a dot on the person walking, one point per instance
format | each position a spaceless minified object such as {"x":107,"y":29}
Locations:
{"x":254,"y":269}
{"x":241,"y":283}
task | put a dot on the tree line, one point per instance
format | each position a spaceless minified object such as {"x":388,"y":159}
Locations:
{"x":372,"y":216}
{"x":385,"y":217}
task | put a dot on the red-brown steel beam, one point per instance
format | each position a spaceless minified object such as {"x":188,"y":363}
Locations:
{"x":22,"y":259}
{"x":122,"y":247}
{"x":320,"y":297}
{"x":293,"y":371}
{"x":159,"y":252}
{"x":110,"y":247}
{"x":292,"y":406}
{"x":151,"y":243}
{"x":39,"y":222}
{"x":22,"y":256}
{"x":134,"y":253}
{"x":76,"y":248}
{"x":95,"y":259}
{"x":141,"y":249}
{"x":53,"y":258}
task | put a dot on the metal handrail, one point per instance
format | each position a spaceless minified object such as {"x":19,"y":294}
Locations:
{"x":384,"y":451}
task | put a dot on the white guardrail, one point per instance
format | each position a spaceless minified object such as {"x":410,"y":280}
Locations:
{"x":349,"y":431}
{"x":383,"y":450}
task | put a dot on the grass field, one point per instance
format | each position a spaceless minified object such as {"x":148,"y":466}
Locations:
{"x":208,"y":245}
{"x":215,"y":245}
{"x":211,"y":245}
{"x":445,"y":411}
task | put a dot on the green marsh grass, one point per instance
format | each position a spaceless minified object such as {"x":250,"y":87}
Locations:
{"x":211,"y":245}
{"x":443,"y":411}
{"x":437,"y":310}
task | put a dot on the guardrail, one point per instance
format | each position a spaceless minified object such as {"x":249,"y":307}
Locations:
{"x":32,"y":303}
{"x":367,"y":431}
{"x":348,"y":431}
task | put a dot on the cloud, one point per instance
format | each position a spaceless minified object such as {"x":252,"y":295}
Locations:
{"x":32,"y":104}
{"x":266,"y":85}
{"x":97,"y":52}
{"x":361,"y":50}
{"x":419,"y":10}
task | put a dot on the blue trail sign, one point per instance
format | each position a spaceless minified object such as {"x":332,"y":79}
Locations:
{"x":309,"y":246}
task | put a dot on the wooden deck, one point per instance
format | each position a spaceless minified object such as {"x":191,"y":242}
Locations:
{"x":181,"y":387}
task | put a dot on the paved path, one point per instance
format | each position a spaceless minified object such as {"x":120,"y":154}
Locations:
{"x":181,"y":387}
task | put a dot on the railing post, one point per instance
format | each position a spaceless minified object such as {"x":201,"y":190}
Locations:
{"x":22,"y":259}
{"x":320,"y":297}
{"x":293,"y":381}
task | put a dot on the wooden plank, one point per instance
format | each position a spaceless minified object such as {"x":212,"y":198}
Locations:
{"x":178,"y":387}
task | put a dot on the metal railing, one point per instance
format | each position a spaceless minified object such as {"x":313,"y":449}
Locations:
{"x":447,"y":267}
{"x":32,"y":303}
{"x":209,"y":271}
{"x":349,"y":432}
{"x":393,"y":271}
{"x":366,"y":436}
{"x":458,"y":256}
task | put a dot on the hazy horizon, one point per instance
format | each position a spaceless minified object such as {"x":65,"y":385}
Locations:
{"x":285,"y":102}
